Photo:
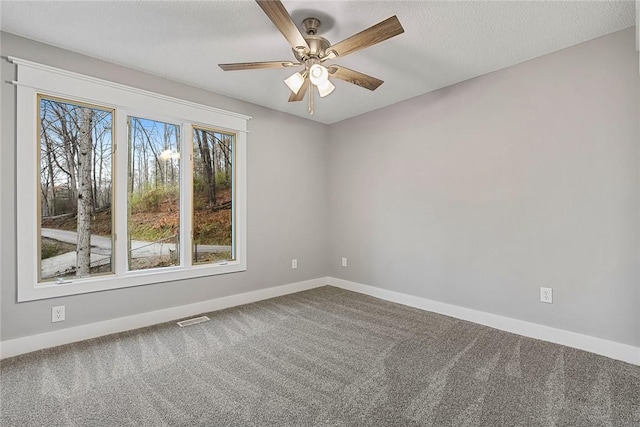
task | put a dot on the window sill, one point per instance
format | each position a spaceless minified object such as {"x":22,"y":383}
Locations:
{"x":71,"y":286}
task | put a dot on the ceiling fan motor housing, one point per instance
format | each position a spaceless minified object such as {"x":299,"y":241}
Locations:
{"x":317,"y":47}
{"x":317,"y":44}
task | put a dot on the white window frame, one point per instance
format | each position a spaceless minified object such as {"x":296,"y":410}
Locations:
{"x":36,"y":79}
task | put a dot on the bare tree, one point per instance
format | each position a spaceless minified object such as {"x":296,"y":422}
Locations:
{"x":138,"y":128}
{"x":84,"y":193}
{"x":224,"y":148}
{"x":202,"y":138}
{"x":67,"y":129}
{"x":50,"y":176}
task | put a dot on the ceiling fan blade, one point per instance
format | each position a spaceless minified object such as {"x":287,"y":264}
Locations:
{"x":283,"y":22}
{"x":354,"y":77}
{"x":380,"y":32}
{"x":295,"y":97}
{"x":256,"y":65}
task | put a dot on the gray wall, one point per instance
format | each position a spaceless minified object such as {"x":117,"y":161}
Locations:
{"x":287,"y":198}
{"x":474,"y":195}
{"x":480,"y":193}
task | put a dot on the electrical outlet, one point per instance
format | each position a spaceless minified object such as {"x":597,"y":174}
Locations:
{"x":344,"y":261}
{"x":294,"y":264}
{"x":57,"y":314}
{"x":546,"y":295}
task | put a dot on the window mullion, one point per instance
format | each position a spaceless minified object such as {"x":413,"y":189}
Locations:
{"x":120,"y":198}
{"x":186,"y":192}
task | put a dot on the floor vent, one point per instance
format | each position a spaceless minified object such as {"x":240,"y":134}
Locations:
{"x":193,"y":321}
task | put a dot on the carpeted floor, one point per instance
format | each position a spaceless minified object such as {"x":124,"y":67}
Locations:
{"x":321,"y":357}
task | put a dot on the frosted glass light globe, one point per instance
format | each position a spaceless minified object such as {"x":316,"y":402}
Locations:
{"x":295,"y":82}
{"x":318,"y":74}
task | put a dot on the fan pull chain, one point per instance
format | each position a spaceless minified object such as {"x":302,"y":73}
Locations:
{"x":311,"y":98}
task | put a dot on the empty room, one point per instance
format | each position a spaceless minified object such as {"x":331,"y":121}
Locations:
{"x":305,"y":213}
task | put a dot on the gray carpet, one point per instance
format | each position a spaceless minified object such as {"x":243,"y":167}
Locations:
{"x":321,"y":357}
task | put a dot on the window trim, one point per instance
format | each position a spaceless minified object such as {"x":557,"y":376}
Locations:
{"x":36,"y":79}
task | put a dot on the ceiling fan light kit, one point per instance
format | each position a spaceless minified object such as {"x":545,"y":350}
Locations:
{"x":319,"y":76}
{"x":312,"y":50}
{"x":295,"y":82}
{"x":325,"y":88}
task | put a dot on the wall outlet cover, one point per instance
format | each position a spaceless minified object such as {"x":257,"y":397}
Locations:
{"x":57,"y":314}
{"x":546,"y":295}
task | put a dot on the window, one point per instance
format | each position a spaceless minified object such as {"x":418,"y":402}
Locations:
{"x":76,"y":223}
{"x":212,"y":196}
{"x":121,"y":187}
{"x":153,"y":188}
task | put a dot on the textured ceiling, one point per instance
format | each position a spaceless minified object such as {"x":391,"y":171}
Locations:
{"x":444,"y":42}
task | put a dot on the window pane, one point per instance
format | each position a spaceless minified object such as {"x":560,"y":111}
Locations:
{"x":75,"y":190}
{"x":212,"y":196}
{"x":154,"y":194}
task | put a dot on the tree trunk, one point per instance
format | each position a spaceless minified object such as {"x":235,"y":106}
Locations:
{"x":102,"y":202}
{"x":225,"y":145}
{"x":84,"y":194}
{"x":168,"y":164}
{"x":212,"y":168}
{"x":205,"y":153}
{"x":70,"y":149}
{"x":94,"y":181}
{"x":156,"y":156}
{"x":132,"y":155}
{"x":52,"y":182}
{"x":227,"y":161}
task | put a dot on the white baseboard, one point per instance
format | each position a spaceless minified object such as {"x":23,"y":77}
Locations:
{"x":614,"y":350}
{"x":31,"y":343}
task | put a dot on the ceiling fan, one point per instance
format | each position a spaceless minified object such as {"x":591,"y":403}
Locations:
{"x":312,"y":51}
